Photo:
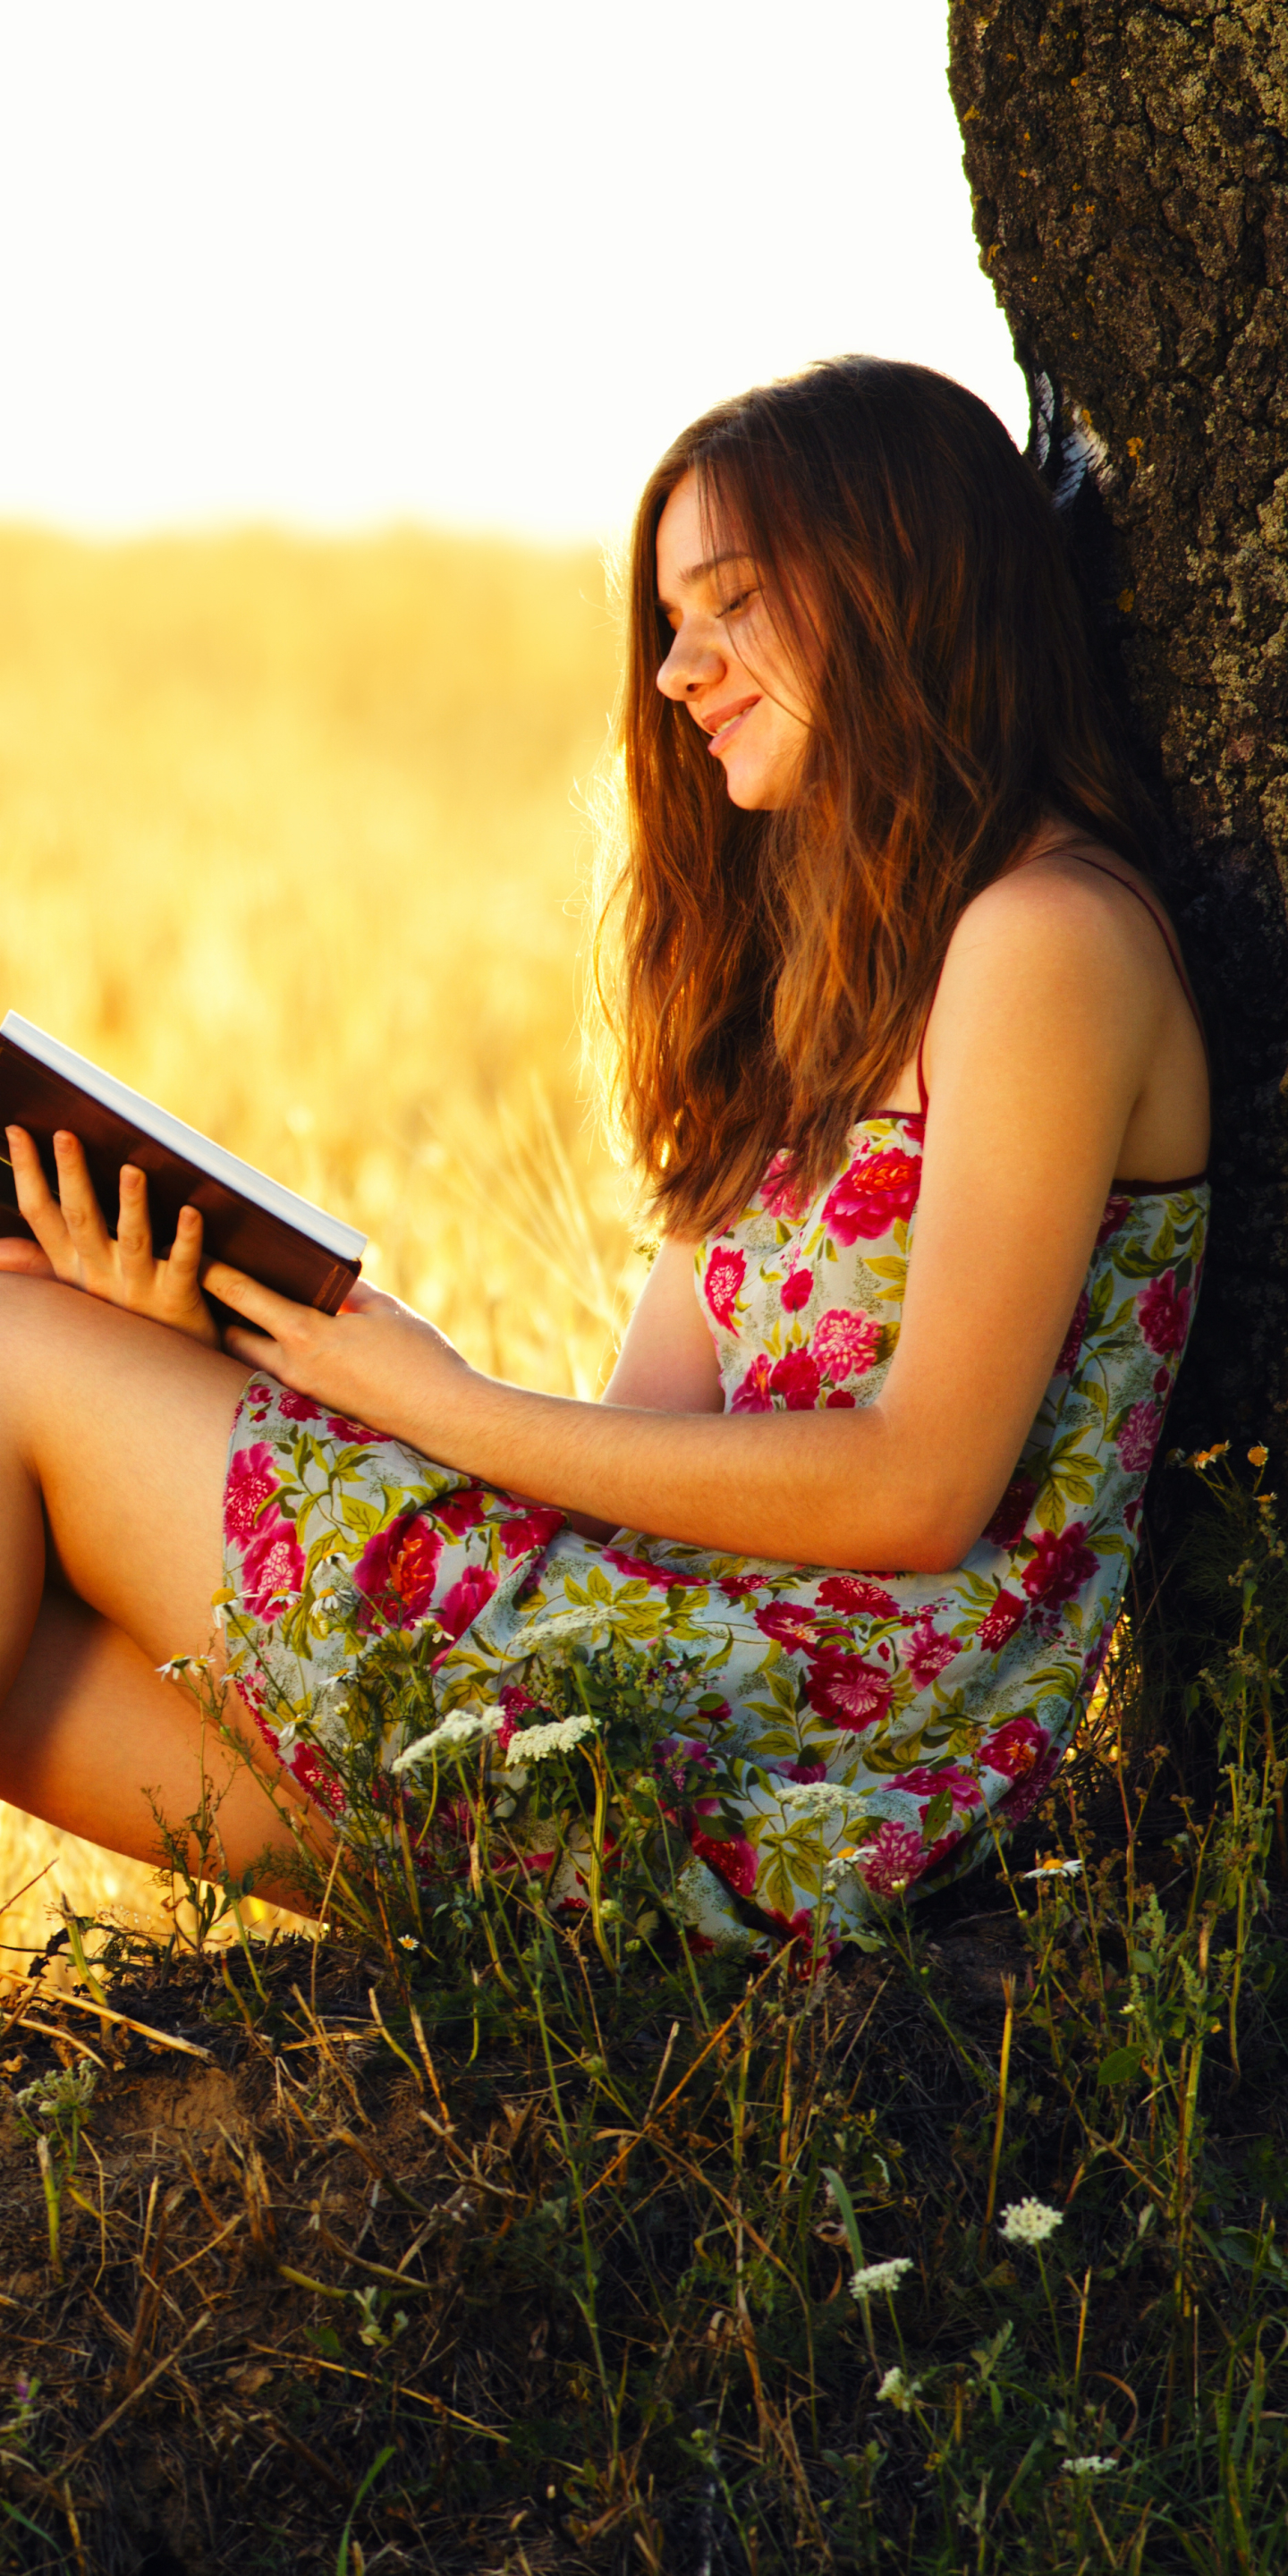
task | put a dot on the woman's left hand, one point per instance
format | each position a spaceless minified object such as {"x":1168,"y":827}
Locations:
{"x":374,"y":1360}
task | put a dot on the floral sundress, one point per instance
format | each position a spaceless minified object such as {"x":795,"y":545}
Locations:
{"x":938,"y":1704}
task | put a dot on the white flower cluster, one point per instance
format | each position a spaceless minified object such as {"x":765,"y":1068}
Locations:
{"x":1093,"y":2465}
{"x":873,"y":2277}
{"x":816,"y":1797}
{"x":464,"y":1726}
{"x":65,"y":2089}
{"x":535,"y":1742}
{"x":1029,"y":2222}
{"x":898,"y":2391}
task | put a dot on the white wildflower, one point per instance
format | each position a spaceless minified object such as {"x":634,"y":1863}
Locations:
{"x":1092,"y":2465}
{"x":816,"y":1797}
{"x":288,"y":1736}
{"x":1054,"y":1869}
{"x":872,"y":2277}
{"x":1029,"y":2222}
{"x":408,"y":1941}
{"x":464,"y":1726}
{"x":63,"y":2089}
{"x":535,"y":1742}
{"x":898,"y":2391}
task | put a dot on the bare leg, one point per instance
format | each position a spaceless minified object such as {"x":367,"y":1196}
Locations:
{"x":90,"y":1728}
{"x":113,"y":1442}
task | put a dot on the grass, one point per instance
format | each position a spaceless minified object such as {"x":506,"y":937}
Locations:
{"x":291,"y":837}
{"x":482,"y":2235}
{"x":474,"y":2234}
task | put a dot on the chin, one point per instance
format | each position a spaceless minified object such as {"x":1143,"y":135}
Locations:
{"x":752,"y":795}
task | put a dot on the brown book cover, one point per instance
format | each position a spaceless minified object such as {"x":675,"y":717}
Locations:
{"x":249,"y":1220}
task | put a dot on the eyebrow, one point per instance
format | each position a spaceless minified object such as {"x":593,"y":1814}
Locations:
{"x":711,"y":563}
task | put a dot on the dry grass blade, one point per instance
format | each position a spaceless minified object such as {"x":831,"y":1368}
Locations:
{"x":126,"y":2021}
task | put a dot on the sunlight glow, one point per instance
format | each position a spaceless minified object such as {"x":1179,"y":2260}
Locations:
{"x":289,"y":259}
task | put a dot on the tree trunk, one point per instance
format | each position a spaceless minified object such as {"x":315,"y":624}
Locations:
{"x":1129,"y":170}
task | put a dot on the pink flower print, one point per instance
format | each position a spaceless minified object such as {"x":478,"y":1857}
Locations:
{"x":845,"y":1344}
{"x":533,"y":1529}
{"x":805,"y":1771}
{"x":726,"y":1271}
{"x":252,"y":1477}
{"x":297,"y":1408}
{"x":789,"y":1622}
{"x":1072,"y":1343}
{"x":753,"y":1395}
{"x":641,"y":1569}
{"x":962,"y":1786}
{"x":461,"y":1511}
{"x":1007,"y":1523}
{"x":875,"y":1191}
{"x":839,"y":1401}
{"x":252,"y":1687}
{"x":397,"y":1567}
{"x":736,"y":1587}
{"x":1059,"y":1567}
{"x":1138,"y":1438}
{"x":778,"y":1192}
{"x":1015,"y":1748}
{"x":341,"y":1428}
{"x":1000,"y":1621}
{"x":317,"y":1777}
{"x":1115,"y":1210}
{"x":1164,"y":1314}
{"x":733,"y":1861}
{"x":796,"y":1378}
{"x":796,"y":1290}
{"x":515,"y":1702}
{"x":854,"y":1592}
{"x":927,"y":1651}
{"x":272,"y":1568}
{"x":1029,"y":1793}
{"x":892,"y":1860}
{"x":852,"y":1695}
{"x":466,"y":1598}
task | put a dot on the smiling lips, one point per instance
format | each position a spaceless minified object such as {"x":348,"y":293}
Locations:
{"x":722,"y":727}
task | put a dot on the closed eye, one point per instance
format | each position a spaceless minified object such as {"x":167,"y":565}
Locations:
{"x":741,"y":599}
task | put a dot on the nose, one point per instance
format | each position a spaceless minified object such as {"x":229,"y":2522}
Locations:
{"x":695,"y":659}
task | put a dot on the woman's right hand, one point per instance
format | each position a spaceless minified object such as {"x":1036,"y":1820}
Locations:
{"x":73,"y":1244}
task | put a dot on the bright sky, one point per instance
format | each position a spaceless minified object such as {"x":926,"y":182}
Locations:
{"x":469,"y":261}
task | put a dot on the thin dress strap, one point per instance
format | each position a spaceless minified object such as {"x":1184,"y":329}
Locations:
{"x":1160,"y":925}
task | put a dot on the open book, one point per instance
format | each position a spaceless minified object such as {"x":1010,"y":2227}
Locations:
{"x":249,"y":1220}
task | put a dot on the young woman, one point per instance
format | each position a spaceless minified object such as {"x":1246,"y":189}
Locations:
{"x":916,"y":1084}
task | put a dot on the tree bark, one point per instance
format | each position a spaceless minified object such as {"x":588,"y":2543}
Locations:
{"x":1129,"y":171}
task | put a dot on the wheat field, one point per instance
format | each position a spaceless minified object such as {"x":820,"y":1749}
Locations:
{"x":293,"y":838}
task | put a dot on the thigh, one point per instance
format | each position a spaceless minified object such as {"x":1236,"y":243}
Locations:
{"x":123,"y":1426}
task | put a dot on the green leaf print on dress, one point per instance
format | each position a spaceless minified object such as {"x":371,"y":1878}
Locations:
{"x":936,"y":1707}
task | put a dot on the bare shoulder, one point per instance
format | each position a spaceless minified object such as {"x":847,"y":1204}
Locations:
{"x":1074,"y":908}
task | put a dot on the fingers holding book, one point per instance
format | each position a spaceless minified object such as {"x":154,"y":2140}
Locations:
{"x":73,"y":1243}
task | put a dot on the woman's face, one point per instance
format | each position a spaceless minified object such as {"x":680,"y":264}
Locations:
{"x":726,"y":664}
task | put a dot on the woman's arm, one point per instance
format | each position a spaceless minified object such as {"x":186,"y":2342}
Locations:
{"x":667,"y":1362}
{"x":1050,"y":1017}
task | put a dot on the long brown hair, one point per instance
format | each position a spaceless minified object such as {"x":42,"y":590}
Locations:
{"x":774,"y":971}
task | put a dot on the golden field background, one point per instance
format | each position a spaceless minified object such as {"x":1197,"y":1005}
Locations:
{"x":292,"y":838}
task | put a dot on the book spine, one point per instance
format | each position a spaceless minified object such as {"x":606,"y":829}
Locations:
{"x":335,"y":1287}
